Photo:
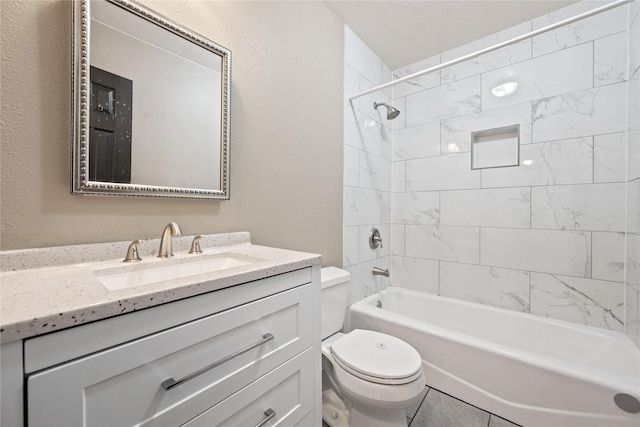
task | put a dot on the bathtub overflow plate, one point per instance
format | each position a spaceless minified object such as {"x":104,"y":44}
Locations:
{"x":627,"y":403}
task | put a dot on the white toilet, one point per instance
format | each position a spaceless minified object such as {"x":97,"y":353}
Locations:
{"x":369,"y":378}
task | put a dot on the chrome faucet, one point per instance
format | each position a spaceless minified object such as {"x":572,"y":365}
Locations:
{"x":166,"y":245}
{"x":195,"y":245}
{"x":380,"y":272}
{"x":132,"y":253}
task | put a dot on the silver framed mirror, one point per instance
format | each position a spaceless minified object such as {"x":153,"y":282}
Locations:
{"x":151,"y":105}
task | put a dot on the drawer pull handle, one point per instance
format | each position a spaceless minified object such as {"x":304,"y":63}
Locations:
{"x":171,"y":383}
{"x":269,"y":413}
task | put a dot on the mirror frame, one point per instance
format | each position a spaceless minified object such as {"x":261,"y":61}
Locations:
{"x":80,"y":109}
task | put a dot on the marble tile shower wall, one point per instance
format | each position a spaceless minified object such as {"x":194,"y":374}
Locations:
{"x":546,"y":238}
{"x":632,"y":265}
{"x":367,"y":170}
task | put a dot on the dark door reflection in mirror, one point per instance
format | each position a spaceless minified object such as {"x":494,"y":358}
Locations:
{"x":168,"y":136}
{"x":110,"y":127}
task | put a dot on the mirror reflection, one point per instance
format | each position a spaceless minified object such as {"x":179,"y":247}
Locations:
{"x":157,"y":107}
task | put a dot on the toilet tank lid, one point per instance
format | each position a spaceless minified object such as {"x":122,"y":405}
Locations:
{"x":330,"y":276}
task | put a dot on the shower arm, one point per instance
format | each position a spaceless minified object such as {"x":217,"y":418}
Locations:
{"x":492,"y":48}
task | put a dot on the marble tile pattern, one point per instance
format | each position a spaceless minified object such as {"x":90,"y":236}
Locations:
{"x":416,"y":142}
{"x":610,"y":59}
{"x":498,"y":287}
{"x":595,"y":207}
{"x":568,"y":161}
{"x":444,"y":243}
{"x":584,"y":31}
{"x":557,"y":73}
{"x":609,"y":157}
{"x":557,"y":235}
{"x":421,"y":208}
{"x":415,"y":273}
{"x":418,"y":84}
{"x":365,"y":253}
{"x":632,"y":314}
{"x":363,"y":283}
{"x":608,"y":256}
{"x":448,"y":172}
{"x":499,"y":207}
{"x":369,"y":174}
{"x":451,"y":100}
{"x":587,"y":112}
{"x":456,"y":131}
{"x":579,"y":300}
{"x":632,"y":238}
{"x":634,"y":37}
{"x":553,"y":251}
{"x":508,"y":55}
{"x":632,"y":264}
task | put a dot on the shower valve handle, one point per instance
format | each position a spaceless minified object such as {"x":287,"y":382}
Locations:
{"x":374,"y":239}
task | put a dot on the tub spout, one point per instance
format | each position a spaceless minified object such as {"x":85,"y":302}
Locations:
{"x":380,"y":272}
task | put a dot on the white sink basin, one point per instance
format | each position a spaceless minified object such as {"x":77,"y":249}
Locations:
{"x":130,"y":275}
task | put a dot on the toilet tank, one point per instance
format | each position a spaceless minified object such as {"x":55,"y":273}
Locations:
{"x":334,"y":297}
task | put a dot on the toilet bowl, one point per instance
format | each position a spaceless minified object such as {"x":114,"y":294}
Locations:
{"x":369,"y":378}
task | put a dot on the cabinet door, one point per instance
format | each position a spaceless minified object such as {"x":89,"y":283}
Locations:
{"x":122,"y":386}
{"x":282,"y":397}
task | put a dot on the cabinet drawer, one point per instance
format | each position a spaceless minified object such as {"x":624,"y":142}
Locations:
{"x":122,"y":386}
{"x":52,"y":349}
{"x":282,"y":397}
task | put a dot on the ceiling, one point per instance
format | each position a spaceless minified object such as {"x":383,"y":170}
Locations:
{"x":402,"y":32}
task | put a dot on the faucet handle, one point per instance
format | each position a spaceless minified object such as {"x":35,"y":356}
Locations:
{"x":195,"y":245}
{"x":375,"y":240}
{"x":132,"y":252}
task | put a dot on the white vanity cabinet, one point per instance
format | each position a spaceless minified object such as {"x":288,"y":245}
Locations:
{"x":250,"y":363}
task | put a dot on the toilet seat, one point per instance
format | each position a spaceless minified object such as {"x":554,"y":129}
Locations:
{"x":376,"y":357}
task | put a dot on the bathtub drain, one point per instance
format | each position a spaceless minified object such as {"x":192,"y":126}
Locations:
{"x":627,"y":403}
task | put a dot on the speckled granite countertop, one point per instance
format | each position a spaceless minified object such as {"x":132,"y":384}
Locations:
{"x":44,"y":290}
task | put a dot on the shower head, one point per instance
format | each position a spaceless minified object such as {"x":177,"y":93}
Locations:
{"x":392,"y":112}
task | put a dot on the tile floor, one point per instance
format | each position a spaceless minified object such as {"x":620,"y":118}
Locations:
{"x":437,"y":409}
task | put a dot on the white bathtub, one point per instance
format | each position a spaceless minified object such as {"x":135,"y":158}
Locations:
{"x":531,"y":370}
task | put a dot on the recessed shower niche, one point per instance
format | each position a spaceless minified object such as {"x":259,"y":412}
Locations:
{"x":495,"y":148}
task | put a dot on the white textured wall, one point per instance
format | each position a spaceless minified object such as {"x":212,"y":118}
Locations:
{"x":286,"y":130}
